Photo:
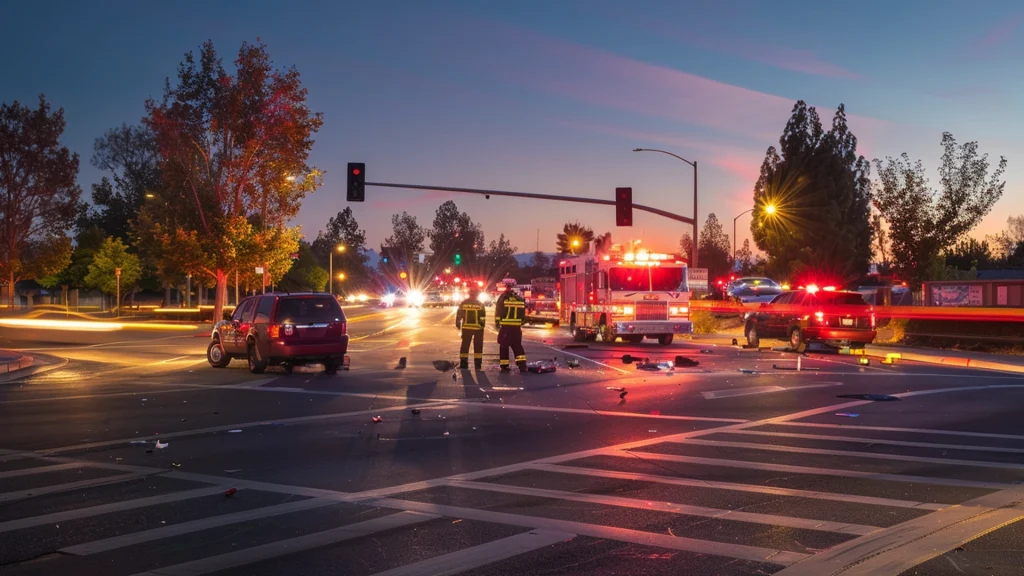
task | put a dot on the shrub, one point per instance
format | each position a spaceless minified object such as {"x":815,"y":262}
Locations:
{"x":704,"y":322}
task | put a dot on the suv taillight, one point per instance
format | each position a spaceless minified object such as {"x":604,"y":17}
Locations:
{"x":275,"y":331}
{"x":344,"y":328}
{"x":819,"y":317}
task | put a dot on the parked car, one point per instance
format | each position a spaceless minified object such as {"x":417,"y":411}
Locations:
{"x":282,"y":330}
{"x":754,"y":290}
{"x":812,"y":315}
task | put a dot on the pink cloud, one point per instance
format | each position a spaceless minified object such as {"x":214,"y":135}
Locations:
{"x":998,"y":34}
{"x":602,"y":79}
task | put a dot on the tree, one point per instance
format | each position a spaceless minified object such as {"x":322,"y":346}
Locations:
{"x":343,"y":230}
{"x":922,"y":222}
{"x":130,"y":154}
{"x":1005,"y":244}
{"x":745,"y":258}
{"x":686,"y":245}
{"x":407,"y":237}
{"x":39,"y":198}
{"x":881,"y":247}
{"x":110,"y":256}
{"x":233,"y":150}
{"x":87,"y":242}
{"x":969,"y":254}
{"x":455,"y":232}
{"x":540,"y":263}
{"x":819,"y":192}
{"x":574,"y":239}
{"x":501,"y":257}
{"x":306,"y":274}
{"x":713,"y":249}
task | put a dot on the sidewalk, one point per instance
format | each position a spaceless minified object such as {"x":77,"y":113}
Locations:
{"x":936,"y":356}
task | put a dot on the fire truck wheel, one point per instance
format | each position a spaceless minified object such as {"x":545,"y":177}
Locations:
{"x":665,"y":339}
{"x":577,"y":334}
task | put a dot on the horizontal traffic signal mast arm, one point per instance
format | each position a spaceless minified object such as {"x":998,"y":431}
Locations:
{"x":577,"y":199}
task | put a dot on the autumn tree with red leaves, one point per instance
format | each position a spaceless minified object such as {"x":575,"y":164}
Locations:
{"x":233,"y":150}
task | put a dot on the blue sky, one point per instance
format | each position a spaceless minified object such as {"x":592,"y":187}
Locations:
{"x":551,"y":97}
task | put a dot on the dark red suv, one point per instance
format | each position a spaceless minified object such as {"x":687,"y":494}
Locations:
{"x":282,"y":330}
{"x":809,"y":315}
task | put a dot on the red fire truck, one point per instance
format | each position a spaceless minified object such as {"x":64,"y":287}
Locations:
{"x":629,"y":295}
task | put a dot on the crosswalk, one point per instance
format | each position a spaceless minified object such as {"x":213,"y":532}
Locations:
{"x":788,"y":497}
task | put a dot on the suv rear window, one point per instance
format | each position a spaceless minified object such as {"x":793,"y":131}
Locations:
{"x":308,"y":310}
{"x":841,"y":298}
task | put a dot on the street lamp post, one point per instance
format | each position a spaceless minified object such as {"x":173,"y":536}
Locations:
{"x":768,"y":209}
{"x":693,"y":256}
{"x":339,"y":248}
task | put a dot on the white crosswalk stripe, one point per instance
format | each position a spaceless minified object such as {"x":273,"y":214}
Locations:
{"x":848,"y":508}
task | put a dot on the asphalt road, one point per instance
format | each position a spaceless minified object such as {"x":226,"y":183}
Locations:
{"x":117,"y":456}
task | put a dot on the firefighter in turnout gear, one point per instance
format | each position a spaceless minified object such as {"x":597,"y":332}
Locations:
{"x":470,"y":319}
{"x":509,"y":311}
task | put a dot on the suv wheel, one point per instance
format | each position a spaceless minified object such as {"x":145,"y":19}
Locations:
{"x":216,"y":356}
{"x":257,"y":365}
{"x":796,"y":340}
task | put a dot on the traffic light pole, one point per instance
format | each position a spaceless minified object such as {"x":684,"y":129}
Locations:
{"x":577,"y":199}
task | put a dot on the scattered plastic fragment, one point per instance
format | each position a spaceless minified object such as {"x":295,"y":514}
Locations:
{"x":175,"y":465}
{"x":230,"y":492}
{"x":872,"y":397}
{"x":572,"y":363}
{"x":615,"y":388}
{"x":443,"y":365}
{"x":684,"y":361}
{"x":235,"y":431}
{"x":162,"y":445}
{"x":377,"y":419}
{"x":747,"y":371}
{"x":847,"y":414}
{"x":541,"y":366}
{"x":445,"y":433}
{"x":627,"y":359}
{"x":415,"y":411}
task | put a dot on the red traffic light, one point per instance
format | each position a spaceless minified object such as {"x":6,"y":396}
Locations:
{"x":355,"y":171}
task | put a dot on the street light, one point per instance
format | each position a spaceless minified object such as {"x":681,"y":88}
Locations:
{"x":330,"y":271}
{"x":768,"y":209}
{"x":575,"y":245}
{"x":693,"y":256}
{"x":341,"y":275}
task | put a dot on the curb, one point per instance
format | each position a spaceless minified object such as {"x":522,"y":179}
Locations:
{"x":941,"y":360}
{"x":47,"y":364}
{"x":18,"y":363}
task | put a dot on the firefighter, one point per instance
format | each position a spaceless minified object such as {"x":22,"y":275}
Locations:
{"x":470,"y":319}
{"x":508,"y":315}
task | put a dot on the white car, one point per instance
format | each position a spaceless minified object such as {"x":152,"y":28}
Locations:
{"x":753,"y":290}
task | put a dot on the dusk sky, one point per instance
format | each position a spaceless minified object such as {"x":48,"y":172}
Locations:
{"x":552,"y":96}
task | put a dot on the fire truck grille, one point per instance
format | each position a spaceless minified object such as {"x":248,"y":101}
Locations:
{"x":651,"y":310}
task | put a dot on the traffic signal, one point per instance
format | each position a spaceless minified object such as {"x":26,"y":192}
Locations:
{"x":623,"y":206}
{"x":457,"y":259}
{"x":356,"y":182}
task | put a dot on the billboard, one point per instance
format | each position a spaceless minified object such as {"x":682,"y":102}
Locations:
{"x":956,"y":295}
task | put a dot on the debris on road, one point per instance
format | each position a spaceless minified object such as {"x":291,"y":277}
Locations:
{"x":401,"y":363}
{"x":541,"y":366}
{"x":847,"y":414}
{"x":735,"y":342}
{"x":572,"y":363}
{"x":443,"y":365}
{"x":872,"y":397}
{"x":162,"y":445}
{"x":615,"y":388}
{"x":175,"y":465}
{"x":235,"y":431}
{"x":230,"y":492}
{"x":748,"y":371}
{"x":684,"y":361}
{"x":415,"y":411}
{"x":623,"y":395}
{"x":377,"y":419}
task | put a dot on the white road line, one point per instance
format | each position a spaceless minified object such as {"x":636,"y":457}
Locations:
{"x":107,"y":544}
{"x":191,"y":388}
{"x":832,"y":438}
{"x":9,"y":496}
{"x":509,"y":406}
{"x":772,"y":490}
{"x":907,"y":430}
{"x":580,"y":356}
{"x":852,"y":454}
{"x":58,"y":517}
{"x":734,"y":392}
{"x":40,"y":470}
{"x":211,"y":429}
{"x":291,"y":545}
{"x":673,"y":508}
{"x":788,"y":468}
{"x":489,"y":553}
{"x":169,"y":360}
{"x":724,"y":549}
{"x":902,"y":547}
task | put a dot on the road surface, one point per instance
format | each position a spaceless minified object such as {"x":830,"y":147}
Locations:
{"x":125,"y":453}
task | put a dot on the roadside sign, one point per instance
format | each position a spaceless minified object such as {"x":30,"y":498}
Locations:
{"x":698,"y":275}
{"x":259,"y":269}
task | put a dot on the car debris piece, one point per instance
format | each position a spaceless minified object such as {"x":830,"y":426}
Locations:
{"x":541,"y":366}
{"x":872,"y":397}
{"x":572,"y":363}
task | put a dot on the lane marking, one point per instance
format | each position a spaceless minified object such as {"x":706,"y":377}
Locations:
{"x":40,"y":470}
{"x":902,"y":547}
{"x":507,"y":405}
{"x":831,"y":438}
{"x":291,"y":545}
{"x":906,"y":430}
{"x":40,"y":491}
{"x":789,"y":468}
{"x":476,"y":556}
{"x":727,"y":550}
{"x":756,"y":488}
{"x":57,"y":517}
{"x":580,"y":356}
{"x":225,"y":427}
{"x":734,"y":392}
{"x":674,"y":508}
{"x":851,"y":454}
{"x":133,"y":538}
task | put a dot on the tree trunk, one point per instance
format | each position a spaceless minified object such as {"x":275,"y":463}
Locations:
{"x":10,"y":289}
{"x":220,"y":296}
{"x":167,"y":296}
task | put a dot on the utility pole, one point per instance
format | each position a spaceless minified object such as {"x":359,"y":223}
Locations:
{"x":117,"y":274}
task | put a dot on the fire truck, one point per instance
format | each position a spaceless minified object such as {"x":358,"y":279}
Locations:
{"x":624,"y":294}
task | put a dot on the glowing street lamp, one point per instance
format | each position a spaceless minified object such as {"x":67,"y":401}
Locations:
{"x":768,"y":209}
{"x":330,"y":270}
